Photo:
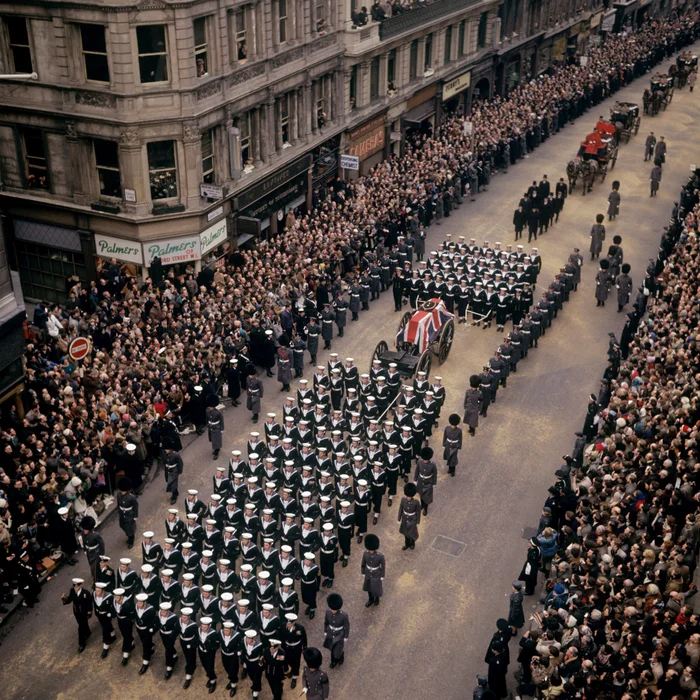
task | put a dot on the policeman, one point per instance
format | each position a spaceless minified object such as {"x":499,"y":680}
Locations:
{"x":336,"y":627}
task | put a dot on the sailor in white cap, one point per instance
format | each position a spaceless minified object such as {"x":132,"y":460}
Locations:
{"x":220,"y":482}
{"x":174,"y":526}
{"x":127,"y":578}
{"x":288,"y":565}
{"x":103,"y":604}
{"x":248,"y":582}
{"x":189,"y":591}
{"x":294,"y":641}
{"x":64,"y":535}
{"x":231,"y":646}
{"x":253,"y":659}
{"x":310,"y":583}
{"x":151,"y":551}
{"x":207,"y":567}
{"x":145,"y":627}
{"x":82,"y":609}
{"x":298,"y":345}
{"x":362,"y":502}
{"x":193,"y":504}
{"x":234,"y":380}
{"x":269,"y":623}
{"x":167,"y":626}
{"x":187,"y":631}
{"x":328,"y":554}
{"x":346,"y":527}
{"x":124,"y":608}
{"x":105,"y":573}
{"x":207,"y":644}
{"x":275,"y":665}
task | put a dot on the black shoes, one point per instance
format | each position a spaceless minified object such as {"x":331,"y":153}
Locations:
{"x":293,"y":684}
{"x":187,"y":683}
{"x":81,"y":649}
{"x":104,"y":653}
{"x":370,"y":603}
{"x":143,"y":669}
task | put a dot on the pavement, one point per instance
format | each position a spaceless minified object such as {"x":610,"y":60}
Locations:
{"x":429,"y":635}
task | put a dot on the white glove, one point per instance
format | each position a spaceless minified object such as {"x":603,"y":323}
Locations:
{"x":306,"y":690}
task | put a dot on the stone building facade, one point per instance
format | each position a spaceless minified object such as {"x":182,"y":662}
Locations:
{"x":175,"y":127}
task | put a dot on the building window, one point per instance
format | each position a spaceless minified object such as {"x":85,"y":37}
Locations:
{"x":321,"y":19}
{"x":282,"y":24}
{"x":201,"y":57}
{"x":481,"y":35}
{"x":391,"y":71}
{"x":44,"y":269}
{"x":94,"y":45}
{"x":374,"y":78}
{"x":19,"y":44}
{"x":448,"y":45}
{"x":284,"y":118}
{"x":107,"y":163}
{"x":321,"y":117}
{"x":353,"y":87}
{"x":208,"y":156}
{"x":245,"y":129}
{"x":162,"y":171}
{"x":461,"y":37}
{"x":153,"y":53}
{"x":241,"y":35}
{"x":413,"y":63}
{"x":428,"y":52}
{"x":36,"y":163}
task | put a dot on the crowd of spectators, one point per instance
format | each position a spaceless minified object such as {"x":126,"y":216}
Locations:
{"x":385,"y":9}
{"x":619,"y":534}
{"x":156,"y":339}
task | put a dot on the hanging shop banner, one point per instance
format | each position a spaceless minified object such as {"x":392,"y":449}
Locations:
{"x":460,"y":83}
{"x":119,"y":248}
{"x":213,"y":237}
{"x":264,"y":188}
{"x":172,"y":250}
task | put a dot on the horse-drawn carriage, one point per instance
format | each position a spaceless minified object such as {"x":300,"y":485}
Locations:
{"x":659,"y":95}
{"x":625,"y":116}
{"x":588,"y":164}
{"x":686,"y":63}
{"x":427,"y":331}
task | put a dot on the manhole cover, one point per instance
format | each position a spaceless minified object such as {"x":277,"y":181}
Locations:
{"x":448,"y":546}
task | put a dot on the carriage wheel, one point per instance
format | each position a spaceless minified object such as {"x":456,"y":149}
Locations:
{"x":379,"y":350}
{"x":637,"y":122}
{"x":405,"y":319}
{"x":603,"y":173}
{"x":613,"y":161}
{"x":424,"y":363}
{"x":446,"y":338}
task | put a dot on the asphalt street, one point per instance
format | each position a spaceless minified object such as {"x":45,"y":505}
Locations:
{"x":429,"y":635}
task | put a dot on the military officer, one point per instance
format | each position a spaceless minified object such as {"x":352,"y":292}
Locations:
{"x":336,"y":627}
{"x":93,"y":544}
{"x":294,"y":642}
{"x":82,"y":609}
{"x":452,"y":443}
{"x":215,"y":425}
{"x":314,"y":680}
{"x":128,"y":510}
{"x":373,"y":567}
{"x":255,"y":393}
{"x":275,"y":663}
{"x":172,"y":468}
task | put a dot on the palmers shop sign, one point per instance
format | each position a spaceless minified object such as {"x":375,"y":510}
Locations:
{"x":172,"y":250}
{"x":119,"y":248}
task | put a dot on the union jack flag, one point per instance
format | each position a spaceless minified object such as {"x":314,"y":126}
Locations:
{"x":425,"y":324}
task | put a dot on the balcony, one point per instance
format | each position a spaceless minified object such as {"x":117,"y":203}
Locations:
{"x":359,"y":40}
{"x":415,"y":19}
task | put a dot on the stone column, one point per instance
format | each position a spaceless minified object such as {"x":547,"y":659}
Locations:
{"x":79,"y":179}
{"x":363,"y":91}
{"x":383,"y":80}
{"x":292,"y":96}
{"x":277,"y":111}
{"x":191,"y":175}
{"x":439,"y":48}
{"x":131,"y":166}
{"x":307,"y":116}
{"x":338,"y":95}
{"x":274,"y":18}
{"x":270,"y":122}
{"x":259,"y":145}
{"x":301,"y":116}
{"x":312,"y":106}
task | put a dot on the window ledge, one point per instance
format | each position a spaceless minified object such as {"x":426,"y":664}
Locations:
{"x":174,"y":208}
{"x":106,"y":206}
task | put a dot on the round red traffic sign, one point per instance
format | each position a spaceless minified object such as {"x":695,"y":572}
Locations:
{"x":79,"y":348}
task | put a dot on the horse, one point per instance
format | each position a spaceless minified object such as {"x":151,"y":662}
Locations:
{"x":589,"y":169}
{"x":573,"y":168}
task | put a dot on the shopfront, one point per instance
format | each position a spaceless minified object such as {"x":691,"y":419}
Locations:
{"x":213,"y":241}
{"x":455,"y":94}
{"x":109,"y":247}
{"x":325,"y":161}
{"x":173,"y":251}
{"x":50,"y":259}
{"x":420,"y":116}
{"x":262,"y":207}
{"x":367,"y":143}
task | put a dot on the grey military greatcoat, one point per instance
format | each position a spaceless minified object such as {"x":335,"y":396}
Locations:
{"x":373,"y":568}
{"x":472,"y":406}
{"x":409,"y":517}
{"x":215,"y":424}
{"x":425,"y":478}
